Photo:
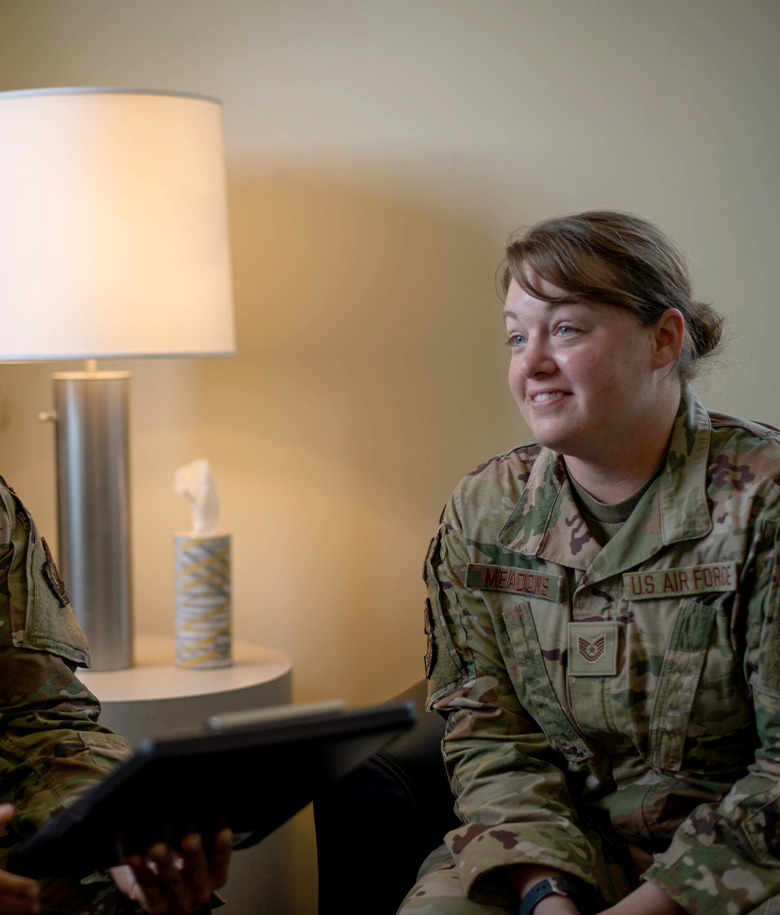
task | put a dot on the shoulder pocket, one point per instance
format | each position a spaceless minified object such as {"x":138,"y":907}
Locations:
{"x":41,"y":616}
{"x":445,"y":665}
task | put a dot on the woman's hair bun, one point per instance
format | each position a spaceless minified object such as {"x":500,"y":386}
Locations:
{"x":706,"y":329}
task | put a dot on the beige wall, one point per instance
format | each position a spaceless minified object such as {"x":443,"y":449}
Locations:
{"x":378,"y":154}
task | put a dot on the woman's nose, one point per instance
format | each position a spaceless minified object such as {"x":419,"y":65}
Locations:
{"x":537,"y":359}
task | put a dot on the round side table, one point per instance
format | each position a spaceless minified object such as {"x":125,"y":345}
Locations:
{"x":155,"y":695}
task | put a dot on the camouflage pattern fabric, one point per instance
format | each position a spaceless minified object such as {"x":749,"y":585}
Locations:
{"x":51,"y":745}
{"x":626,"y":694}
{"x":440,"y":892}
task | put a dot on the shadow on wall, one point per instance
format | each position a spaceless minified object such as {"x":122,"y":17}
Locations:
{"x":370,"y":378}
{"x":380,"y":321}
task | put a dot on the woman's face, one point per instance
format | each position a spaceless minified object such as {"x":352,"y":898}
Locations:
{"x":581,"y":373}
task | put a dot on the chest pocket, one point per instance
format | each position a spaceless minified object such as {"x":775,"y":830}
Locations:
{"x":550,"y":715}
{"x":682,"y":666}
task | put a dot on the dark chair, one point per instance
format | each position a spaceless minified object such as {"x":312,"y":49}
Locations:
{"x":376,"y":826}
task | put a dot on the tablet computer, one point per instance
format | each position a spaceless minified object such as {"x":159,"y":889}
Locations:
{"x":248,"y":770}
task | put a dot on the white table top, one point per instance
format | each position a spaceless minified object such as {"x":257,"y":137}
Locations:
{"x":156,"y":677}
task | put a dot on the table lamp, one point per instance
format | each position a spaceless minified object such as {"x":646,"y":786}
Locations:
{"x":113,"y":243}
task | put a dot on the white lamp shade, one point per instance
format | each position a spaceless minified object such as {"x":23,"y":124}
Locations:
{"x":113,"y":225}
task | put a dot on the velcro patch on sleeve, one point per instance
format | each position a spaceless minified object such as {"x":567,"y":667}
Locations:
{"x":721,"y":576}
{"x":53,"y":579}
{"x":530,"y":582}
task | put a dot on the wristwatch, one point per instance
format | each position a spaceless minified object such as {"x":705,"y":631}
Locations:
{"x":561,"y":886}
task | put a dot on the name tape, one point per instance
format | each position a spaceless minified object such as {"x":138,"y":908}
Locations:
{"x":529,"y":582}
{"x":721,"y":576}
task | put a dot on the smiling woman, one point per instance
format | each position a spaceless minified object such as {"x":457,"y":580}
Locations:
{"x":594,"y":385}
{"x":602,"y":327}
{"x":613,"y":736}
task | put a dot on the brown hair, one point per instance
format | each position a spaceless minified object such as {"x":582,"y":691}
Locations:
{"x":618,"y":259}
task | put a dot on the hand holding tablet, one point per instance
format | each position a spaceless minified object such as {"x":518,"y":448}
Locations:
{"x":248,"y":771}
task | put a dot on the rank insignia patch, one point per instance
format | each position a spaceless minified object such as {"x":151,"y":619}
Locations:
{"x":593,"y":649}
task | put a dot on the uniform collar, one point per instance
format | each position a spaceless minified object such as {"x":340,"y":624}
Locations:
{"x":547,"y":524}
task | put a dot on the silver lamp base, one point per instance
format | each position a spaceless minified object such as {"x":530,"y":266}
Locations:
{"x":93,"y":501}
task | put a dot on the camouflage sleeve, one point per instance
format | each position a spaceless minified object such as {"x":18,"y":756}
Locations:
{"x":514,"y":804}
{"x":726,"y":858}
{"x":51,"y":745}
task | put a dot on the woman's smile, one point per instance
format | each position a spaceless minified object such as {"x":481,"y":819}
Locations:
{"x":547,"y":397}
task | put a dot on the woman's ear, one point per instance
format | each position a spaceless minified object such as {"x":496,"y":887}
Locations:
{"x":668,"y":337}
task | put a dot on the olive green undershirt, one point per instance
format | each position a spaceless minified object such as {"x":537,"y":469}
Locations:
{"x":604,"y":519}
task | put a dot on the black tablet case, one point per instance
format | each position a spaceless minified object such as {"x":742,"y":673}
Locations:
{"x":251,"y":777}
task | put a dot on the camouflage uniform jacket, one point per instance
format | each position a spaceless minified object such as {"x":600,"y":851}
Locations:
{"x":51,"y":746}
{"x":630,"y":693}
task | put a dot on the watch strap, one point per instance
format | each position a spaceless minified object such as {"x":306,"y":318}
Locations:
{"x":560,"y":886}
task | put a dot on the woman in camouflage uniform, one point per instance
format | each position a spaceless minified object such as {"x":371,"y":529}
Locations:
{"x":52,"y":746}
{"x":601,"y":612}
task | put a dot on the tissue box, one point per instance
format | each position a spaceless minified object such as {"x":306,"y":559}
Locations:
{"x":203,"y":624}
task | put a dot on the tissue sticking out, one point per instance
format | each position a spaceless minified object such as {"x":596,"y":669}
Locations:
{"x":202,"y":575}
{"x":196,"y":483}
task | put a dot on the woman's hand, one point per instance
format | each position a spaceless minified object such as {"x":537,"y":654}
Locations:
{"x":176,"y":883}
{"x":648,"y":899}
{"x":18,"y":895}
{"x":555,"y":905}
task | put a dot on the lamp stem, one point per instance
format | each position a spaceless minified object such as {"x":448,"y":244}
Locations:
{"x":93,"y":485}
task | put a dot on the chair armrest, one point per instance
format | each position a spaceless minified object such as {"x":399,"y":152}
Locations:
{"x":376,"y":826}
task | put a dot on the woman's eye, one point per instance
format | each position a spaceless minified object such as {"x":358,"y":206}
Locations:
{"x":566,"y":330}
{"x":515,"y":340}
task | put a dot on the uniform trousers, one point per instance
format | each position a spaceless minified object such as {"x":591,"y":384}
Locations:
{"x":438,"y":891}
